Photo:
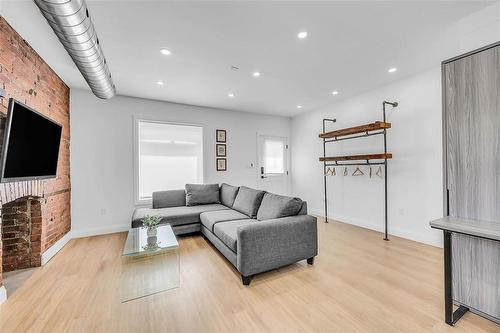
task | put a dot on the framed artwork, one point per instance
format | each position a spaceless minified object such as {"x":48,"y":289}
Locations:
{"x":220,"y":135}
{"x":221,"y":164}
{"x":220,"y":150}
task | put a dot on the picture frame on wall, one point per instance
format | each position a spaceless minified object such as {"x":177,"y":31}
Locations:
{"x":220,"y":150}
{"x":221,"y":164}
{"x":220,"y":135}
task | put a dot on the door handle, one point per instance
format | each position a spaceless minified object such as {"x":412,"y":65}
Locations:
{"x":262,"y":173}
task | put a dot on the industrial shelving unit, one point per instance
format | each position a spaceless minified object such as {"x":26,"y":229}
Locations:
{"x":362,"y":131}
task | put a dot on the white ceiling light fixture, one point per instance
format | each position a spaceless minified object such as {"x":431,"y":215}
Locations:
{"x":302,"y":35}
{"x":160,"y":83}
{"x":165,"y":52}
{"x":392,"y":70}
{"x":256,"y":74}
{"x":335,"y":92}
{"x":230,"y":95}
{"x":299,"y":106}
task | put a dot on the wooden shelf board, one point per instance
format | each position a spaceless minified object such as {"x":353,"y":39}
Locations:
{"x":356,"y":157}
{"x":378,"y":125}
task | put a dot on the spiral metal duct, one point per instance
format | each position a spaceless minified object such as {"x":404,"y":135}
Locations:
{"x":70,"y":20}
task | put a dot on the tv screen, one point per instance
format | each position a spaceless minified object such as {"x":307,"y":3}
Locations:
{"x":30,"y":147}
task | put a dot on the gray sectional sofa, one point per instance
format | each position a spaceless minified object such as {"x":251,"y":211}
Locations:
{"x":255,"y":230}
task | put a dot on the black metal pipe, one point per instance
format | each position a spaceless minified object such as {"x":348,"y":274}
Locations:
{"x":386,"y":236}
{"x":448,"y":300}
{"x":324,"y":167}
{"x":386,"y":233}
{"x":324,"y":175}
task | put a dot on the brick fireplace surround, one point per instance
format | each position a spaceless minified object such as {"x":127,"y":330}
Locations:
{"x":35,"y":214}
{"x":21,"y":233}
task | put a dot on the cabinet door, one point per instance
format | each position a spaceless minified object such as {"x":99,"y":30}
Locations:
{"x":472,"y":133}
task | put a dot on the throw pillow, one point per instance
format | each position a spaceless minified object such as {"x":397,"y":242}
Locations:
{"x":274,"y":206}
{"x":228,"y":194}
{"x":248,"y":201}
{"x":202,"y":194}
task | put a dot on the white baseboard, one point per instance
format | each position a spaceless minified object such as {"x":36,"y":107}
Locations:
{"x":393,"y":231}
{"x":110,"y":229}
{"x":3,"y":294}
{"x":52,"y":251}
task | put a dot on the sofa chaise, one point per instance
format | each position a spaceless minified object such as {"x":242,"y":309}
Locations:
{"x":255,"y":230}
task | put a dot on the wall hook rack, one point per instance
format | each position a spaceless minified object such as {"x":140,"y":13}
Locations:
{"x":376,"y":128}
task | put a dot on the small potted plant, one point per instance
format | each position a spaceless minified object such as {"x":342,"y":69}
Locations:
{"x":151,"y":223}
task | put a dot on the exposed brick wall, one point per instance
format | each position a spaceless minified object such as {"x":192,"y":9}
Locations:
{"x":21,"y":233}
{"x":26,"y":77}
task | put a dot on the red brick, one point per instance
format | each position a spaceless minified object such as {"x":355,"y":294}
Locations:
{"x":27,"y":78}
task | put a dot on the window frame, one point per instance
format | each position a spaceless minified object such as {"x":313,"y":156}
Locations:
{"x":136,"y":121}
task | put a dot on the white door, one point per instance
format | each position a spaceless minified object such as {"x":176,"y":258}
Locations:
{"x":273,"y":164}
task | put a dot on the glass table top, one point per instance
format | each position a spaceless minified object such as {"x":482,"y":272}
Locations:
{"x":138,"y":242}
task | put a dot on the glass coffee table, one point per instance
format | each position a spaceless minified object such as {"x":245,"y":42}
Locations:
{"x":149,"y":264}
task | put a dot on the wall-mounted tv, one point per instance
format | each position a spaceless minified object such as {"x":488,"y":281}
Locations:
{"x":30,"y":146}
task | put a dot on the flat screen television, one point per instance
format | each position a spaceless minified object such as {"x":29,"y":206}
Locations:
{"x":30,"y":148}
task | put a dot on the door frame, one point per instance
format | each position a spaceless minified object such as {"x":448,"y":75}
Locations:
{"x":287,"y":159}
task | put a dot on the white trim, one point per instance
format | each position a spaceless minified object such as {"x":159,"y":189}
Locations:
{"x":56,"y":247}
{"x":393,"y":231}
{"x":3,"y":294}
{"x":287,"y":173}
{"x":111,"y":229}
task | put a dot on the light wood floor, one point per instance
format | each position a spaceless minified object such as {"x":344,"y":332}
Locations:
{"x":359,"y":283}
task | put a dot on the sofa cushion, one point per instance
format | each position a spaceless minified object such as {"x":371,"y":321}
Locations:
{"x":248,"y":201}
{"x":202,"y":194}
{"x":228,"y":194}
{"x":274,"y":206}
{"x":227,"y":232}
{"x":171,"y":198}
{"x":209,"y":219}
{"x":175,"y":215}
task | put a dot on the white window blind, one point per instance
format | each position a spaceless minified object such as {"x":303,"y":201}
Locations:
{"x":274,"y":156}
{"x":169,"y":156}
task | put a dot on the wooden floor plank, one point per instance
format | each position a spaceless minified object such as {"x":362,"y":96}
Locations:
{"x":359,"y":283}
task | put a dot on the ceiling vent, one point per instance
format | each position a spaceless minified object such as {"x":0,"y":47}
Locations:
{"x":71,"y":22}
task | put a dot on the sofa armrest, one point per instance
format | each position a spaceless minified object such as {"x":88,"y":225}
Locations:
{"x":269,"y":244}
{"x":172,"y":198}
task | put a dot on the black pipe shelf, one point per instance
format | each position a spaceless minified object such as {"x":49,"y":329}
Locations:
{"x":361,"y":131}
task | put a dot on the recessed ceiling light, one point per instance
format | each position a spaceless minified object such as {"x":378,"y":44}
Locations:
{"x":299,"y":106}
{"x":230,"y":95}
{"x":256,"y":74}
{"x":160,"y":83}
{"x":165,"y":52}
{"x":392,"y":70}
{"x":302,"y":34}
{"x":335,"y":92}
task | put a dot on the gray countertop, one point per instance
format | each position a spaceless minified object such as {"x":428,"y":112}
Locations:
{"x":471,"y":227}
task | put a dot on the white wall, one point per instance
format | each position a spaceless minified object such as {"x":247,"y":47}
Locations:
{"x":102,"y":152}
{"x":415,"y":173}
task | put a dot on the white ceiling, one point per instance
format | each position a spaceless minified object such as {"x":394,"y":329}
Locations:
{"x":349,"y":48}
